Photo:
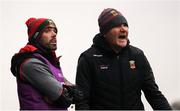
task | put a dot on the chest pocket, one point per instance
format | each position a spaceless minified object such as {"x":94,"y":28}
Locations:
{"x":103,"y":68}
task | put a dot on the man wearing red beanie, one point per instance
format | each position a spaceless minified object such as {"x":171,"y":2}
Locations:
{"x":112,"y":73}
{"x":40,"y":82}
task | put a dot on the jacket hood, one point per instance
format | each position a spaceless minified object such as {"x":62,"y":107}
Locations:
{"x":18,"y":58}
{"x":100,"y":43}
{"x":27,"y":52}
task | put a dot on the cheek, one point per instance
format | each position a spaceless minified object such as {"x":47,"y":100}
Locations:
{"x":127,"y":32}
{"x":45,"y":38}
{"x":43,"y":41}
{"x":114,"y":40}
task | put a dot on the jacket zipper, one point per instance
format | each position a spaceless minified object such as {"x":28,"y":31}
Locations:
{"x":117,"y":57}
{"x":121,"y":81}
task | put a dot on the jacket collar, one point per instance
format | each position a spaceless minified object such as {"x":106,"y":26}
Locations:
{"x":27,"y":52}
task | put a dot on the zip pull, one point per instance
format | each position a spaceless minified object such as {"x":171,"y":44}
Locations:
{"x":117,"y":57}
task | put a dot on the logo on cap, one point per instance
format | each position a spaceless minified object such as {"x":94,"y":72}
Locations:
{"x":51,"y":23}
{"x":114,"y":13}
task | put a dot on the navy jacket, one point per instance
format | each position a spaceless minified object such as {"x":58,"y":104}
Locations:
{"x":115,"y":81}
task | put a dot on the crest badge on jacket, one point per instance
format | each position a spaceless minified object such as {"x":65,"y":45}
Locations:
{"x":132,"y":64}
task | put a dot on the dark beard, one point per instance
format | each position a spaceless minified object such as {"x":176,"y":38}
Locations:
{"x":40,"y":47}
{"x":46,"y":52}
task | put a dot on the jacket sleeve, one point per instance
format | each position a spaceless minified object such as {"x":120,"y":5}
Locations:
{"x":83,"y":81}
{"x":151,"y":91}
{"x":39,"y":76}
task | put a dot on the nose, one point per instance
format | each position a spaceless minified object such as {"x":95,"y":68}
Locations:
{"x":122,"y":27}
{"x":53,"y":33}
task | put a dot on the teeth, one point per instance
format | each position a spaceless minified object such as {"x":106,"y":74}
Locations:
{"x":53,"y":43}
{"x":122,"y":35}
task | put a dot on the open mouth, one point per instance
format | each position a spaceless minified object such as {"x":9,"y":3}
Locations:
{"x":53,"y":41}
{"x":122,"y":37}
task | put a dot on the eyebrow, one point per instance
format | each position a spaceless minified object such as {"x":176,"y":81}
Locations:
{"x":50,"y":27}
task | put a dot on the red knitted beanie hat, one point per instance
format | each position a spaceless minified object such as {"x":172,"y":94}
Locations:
{"x":36,"y":25}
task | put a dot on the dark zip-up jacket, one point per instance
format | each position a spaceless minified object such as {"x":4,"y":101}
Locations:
{"x":115,"y":81}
